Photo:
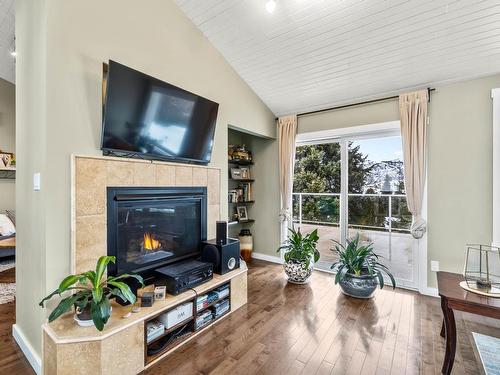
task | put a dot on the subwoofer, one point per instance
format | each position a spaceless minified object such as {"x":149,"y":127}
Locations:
{"x":224,"y":256}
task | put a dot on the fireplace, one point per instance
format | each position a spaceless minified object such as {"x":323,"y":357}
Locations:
{"x":151,"y":227}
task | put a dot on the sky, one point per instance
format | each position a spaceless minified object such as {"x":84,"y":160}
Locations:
{"x":381,"y":149}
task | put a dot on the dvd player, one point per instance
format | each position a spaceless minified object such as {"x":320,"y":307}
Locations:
{"x":185,"y":275}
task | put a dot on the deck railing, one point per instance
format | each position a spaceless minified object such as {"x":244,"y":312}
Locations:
{"x":384,"y":219}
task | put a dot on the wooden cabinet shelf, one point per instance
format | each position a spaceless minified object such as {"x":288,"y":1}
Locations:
{"x":249,"y":221}
{"x":186,"y":328}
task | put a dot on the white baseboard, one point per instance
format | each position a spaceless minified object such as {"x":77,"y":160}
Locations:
{"x":268,"y":258}
{"x":30,"y":354}
{"x":431,"y":292}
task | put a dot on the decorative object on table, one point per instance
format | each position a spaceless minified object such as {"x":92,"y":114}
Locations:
{"x":160,"y":292}
{"x":245,"y":173}
{"x":236,"y":174}
{"x":482,"y":270}
{"x":239,"y":152}
{"x":147,"y":299}
{"x":242,"y":213}
{"x":246,"y":244}
{"x":358,"y":270}
{"x":92,"y":294}
{"x":300,"y":255}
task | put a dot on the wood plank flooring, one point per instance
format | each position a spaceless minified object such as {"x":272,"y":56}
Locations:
{"x":12,"y":360}
{"x":310,"y":329}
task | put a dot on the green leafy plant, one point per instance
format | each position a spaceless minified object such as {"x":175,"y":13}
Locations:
{"x":92,"y":291}
{"x":301,"y":248}
{"x":358,"y":260}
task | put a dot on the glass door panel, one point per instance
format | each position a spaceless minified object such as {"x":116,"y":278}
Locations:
{"x":316,"y":197}
{"x":377,"y":208}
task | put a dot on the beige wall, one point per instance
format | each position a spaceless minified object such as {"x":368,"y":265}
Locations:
{"x":31,"y":156}
{"x":7,"y":139}
{"x":460,"y":176}
{"x":459,"y":167}
{"x":156,"y":39}
{"x":347,"y":117}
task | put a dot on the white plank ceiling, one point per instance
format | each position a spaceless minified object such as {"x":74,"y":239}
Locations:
{"x":312,"y":54}
{"x":7,"y":62}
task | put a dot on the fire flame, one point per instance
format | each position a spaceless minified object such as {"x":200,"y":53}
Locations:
{"x":150,"y":243}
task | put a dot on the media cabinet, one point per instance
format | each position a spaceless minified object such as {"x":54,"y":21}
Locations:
{"x":121,"y":348}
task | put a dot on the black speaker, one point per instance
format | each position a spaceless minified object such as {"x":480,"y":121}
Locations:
{"x":221,"y":232}
{"x":225,"y":257}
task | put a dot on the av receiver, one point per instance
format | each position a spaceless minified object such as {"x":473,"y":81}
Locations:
{"x":181,"y":276}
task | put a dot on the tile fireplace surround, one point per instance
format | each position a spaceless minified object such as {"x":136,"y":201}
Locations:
{"x":92,"y":175}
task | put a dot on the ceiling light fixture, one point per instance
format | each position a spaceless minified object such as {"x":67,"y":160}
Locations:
{"x":271,"y":6}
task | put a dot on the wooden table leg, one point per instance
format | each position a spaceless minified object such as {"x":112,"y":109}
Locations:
{"x":451,"y":337}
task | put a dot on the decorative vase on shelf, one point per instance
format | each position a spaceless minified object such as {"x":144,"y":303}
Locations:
{"x":246,"y":244}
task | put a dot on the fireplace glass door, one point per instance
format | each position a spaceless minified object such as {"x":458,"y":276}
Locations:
{"x":155,"y":232}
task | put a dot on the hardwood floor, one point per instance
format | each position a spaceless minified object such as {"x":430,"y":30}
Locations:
{"x":310,"y":329}
{"x":12,"y":360}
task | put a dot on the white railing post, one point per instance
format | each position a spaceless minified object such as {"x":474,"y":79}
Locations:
{"x":390,"y":227}
{"x":300,"y":211}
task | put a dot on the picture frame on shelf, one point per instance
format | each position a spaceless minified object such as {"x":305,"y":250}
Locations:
{"x":236,"y":174}
{"x":245,"y":172}
{"x":5,"y":159}
{"x":242,"y":213}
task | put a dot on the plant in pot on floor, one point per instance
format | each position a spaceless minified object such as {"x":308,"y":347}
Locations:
{"x":91,"y":294}
{"x":300,"y":253}
{"x":358,"y":270}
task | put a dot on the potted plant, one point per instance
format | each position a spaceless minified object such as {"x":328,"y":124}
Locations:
{"x":91,"y":295}
{"x":300,"y":255}
{"x":358,"y":270}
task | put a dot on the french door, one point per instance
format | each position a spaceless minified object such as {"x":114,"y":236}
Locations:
{"x":353,"y":186}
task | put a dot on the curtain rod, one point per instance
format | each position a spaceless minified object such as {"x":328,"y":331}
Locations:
{"x":429,"y":90}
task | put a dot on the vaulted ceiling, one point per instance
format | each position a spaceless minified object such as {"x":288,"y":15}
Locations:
{"x":7,"y":61}
{"x":312,"y":54}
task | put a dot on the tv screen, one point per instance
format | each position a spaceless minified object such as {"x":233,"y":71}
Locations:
{"x":154,"y":119}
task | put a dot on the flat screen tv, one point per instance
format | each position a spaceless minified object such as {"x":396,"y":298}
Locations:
{"x":152,"y":119}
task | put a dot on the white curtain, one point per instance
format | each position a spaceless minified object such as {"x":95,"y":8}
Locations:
{"x":287,"y":132}
{"x":413,"y":112}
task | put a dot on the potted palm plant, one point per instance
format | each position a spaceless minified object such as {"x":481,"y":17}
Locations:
{"x":358,"y":270}
{"x":300,"y":255}
{"x":90,"y":296}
